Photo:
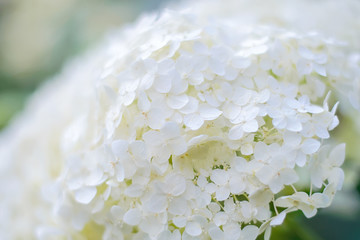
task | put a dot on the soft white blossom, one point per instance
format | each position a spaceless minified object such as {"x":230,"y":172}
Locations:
{"x":188,"y":125}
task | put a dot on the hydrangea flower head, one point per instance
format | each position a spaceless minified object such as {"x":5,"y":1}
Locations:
{"x":180,"y":127}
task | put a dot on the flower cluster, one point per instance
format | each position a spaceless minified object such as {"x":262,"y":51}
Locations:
{"x":185,"y":128}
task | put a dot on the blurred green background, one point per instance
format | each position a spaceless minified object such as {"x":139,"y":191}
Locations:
{"x":38,"y":36}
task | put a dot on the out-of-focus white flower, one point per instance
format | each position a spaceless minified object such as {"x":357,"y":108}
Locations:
{"x":327,"y":165}
{"x":307,"y":204}
{"x":178,"y":127}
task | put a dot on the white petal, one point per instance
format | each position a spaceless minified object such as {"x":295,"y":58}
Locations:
{"x":98,"y":205}
{"x":249,"y":232}
{"x":261,"y":151}
{"x":285,"y":202}
{"x":210,"y":188}
{"x":241,"y":96}
{"x":209,"y":113}
{"x":259,"y":49}
{"x":236,"y":185}
{"x":177,"y":101}
{"x":306,"y":53}
{"x":179,"y":221}
{"x":217,"y":67}
{"x":230,"y":73}
{"x":110,"y":93}
{"x":170,"y":130}
{"x":117,"y":212}
{"x":247,"y":149}
{"x":240,"y":164}
{"x":337,"y":177}
{"x":147,"y":81}
{"x":162,"y":83}
{"x":236,"y":132}
{"x":175,"y":184}
{"x":193,"y":121}
{"x":43,"y":233}
{"x":167,"y":235}
{"x":196,"y":78}
{"x":191,"y":106}
{"x":84,"y":195}
{"x":232,"y":231}
{"x":200,"y":48}
{"x":177,"y":206}
{"x":309,"y":211}
{"x":151,"y":224}
{"x":231,"y":110}
{"x":119,"y":172}
{"x":220,"y":53}
{"x":316,"y":178}
{"x":219,"y":176}
{"x":266,"y":63}
{"x":178,"y":146}
{"x":134,"y":190}
{"x":304,"y":67}
{"x":310,"y":146}
{"x":267,"y":233}
{"x":119,"y":148}
{"x":322,"y":132}
{"x":201,"y":181}
{"x":250,"y":112}
{"x":279,"y":219}
{"x":280,"y":123}
{"x":220,"y":218}
{"x":300,"y":159}
{"x":334,"y":123}
{"x":78,"y":220}
{"x":202,"y":199}
{"x":250,"y":126}
{"x":153,"y":138}
{"x":320,"y":69}
{"x":184,"y":64}
{"x":265,"y":174}
{"x":294,"y":125}
{"x":263,"y":96}
{"x":337,"y":155}
{"x":193,"y":229}
{"x":293,"y":103}
{"x":288,"y":176}
{"x":211,"y":99}
{"x":138,"y":149}
{"x":95,"y":178}
{"x":132,"y":217}
{"x":276,"y":185}
{"x":156,"y":118}
{"x":222,"y":193}
{"x":292,"y":139}
{"x":143,"y":102}
{"x":314,"y":109}
{"x":240,"y":62}
{"x":128,"y":98}
{"x":156,"y":204}
{"x":165,"y":66}
{"x":215,"y":233}
{"x":320,"y":200}
{"x":179,"y":85}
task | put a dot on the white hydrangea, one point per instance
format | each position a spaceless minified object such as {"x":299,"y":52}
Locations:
{"x":179,"y":127}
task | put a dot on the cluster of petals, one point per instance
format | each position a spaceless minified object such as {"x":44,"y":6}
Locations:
{"x":184,"y":128}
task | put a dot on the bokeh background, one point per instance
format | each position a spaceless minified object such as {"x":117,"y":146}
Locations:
{"x":38,"y":36}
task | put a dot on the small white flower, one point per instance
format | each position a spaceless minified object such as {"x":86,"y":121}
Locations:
{"x":327,"y":166}
{"x":307,"y":204}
